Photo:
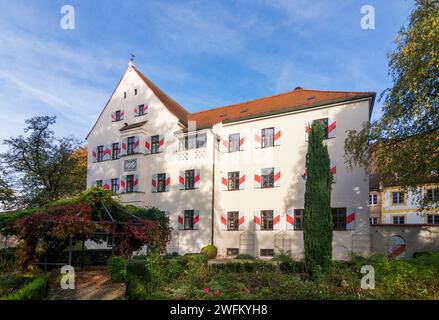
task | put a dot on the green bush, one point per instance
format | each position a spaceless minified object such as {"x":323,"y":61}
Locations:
{"x":426,"y":259}
{"x":36,"y":289}
{"x":11,"y":282}
{"x":244,"y":256}
{"x":135,"y":288}
{"x":254,"y":266}
{"x":8,"y":260}
{"x":117,"y":268}
{"x":210,"y":251}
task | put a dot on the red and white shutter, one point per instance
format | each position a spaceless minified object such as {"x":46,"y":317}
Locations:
{"x":241,"y":221}
{"x":224,"y":221}
{"x":136,"y":148}
{"x":161,"y":143}
{"x":123,"y":147}
{"x":196,"y":220}
{"x":147,"y":145}
{"x":277,"y":136}
{"x":257,"y":220}
{"x":333,"y":170}
{"x":276,"y":220}
{"x":94,"y":154}
{"x":224,"y":145}
{"x":123,"y":183}
{"x":107,"y":152}
{"x":277,"y":177}
{"x":197,"y":179}
{"x":257,"y":139}
{"x":106,"y":184}
{"x":332,"y":126}
{"x":113,"y":116}
{"x":181,"y":184}
{"x":122,"y":113}
{"x":224,"y":181}
{"x":180,"y":220}
{"x":136,"y":110}
{"x":241,"y":142}
{"x":167,"y":182}
{"x":290,"y":219}
{"x":307,"y":130}
{"x":241,"y":180}
{"x":257,"y":178}
{"x":135,"y":183}
{"x":350,"y":218}
{"x":154,"y":183}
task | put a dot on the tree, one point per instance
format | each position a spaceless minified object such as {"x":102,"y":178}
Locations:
{"x":46,"y":167}
{"x":317,"y":221}
{"x":404,"y":141}
{"x":7,"y":195}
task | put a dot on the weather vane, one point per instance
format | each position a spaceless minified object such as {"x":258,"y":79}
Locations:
{"x":132,"y":56}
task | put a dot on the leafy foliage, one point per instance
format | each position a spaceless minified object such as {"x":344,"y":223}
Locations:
{"x":404,"y":142}
{"x":47,"y":167}
{"x":210,"y":251}
{"x":117,"y":268}
{"x":317,"y":225}
{"x":36,"y":288}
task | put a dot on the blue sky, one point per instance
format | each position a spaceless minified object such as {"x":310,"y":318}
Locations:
{"x":202,"y":53}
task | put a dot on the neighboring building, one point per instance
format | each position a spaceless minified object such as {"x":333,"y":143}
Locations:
{"x":232,"y":176}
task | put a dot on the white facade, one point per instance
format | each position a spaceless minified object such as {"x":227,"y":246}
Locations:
{"x":211,"y":199}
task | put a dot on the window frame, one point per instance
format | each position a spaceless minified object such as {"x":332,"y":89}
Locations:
{"x":374,"y":197}
{"x":155,"y":141}
{"x":339,"y":219}
{"x":129,"y":181}
{"x":100,"y":154}
{"x":234,"y":145}
{"x":188,"y":214}
{"x":269,"y":176}
{"x":117,"y":115}
{"x":434,"y":217}
{"x":130,"y":145}
{"x":233,"y":180}
{"x":161,"y":179}
{"x":399,"y":198}
{"x":372,"y":221}
{"x":141,"y":110}
{"x":189,"y":179}
{"x":399,"y":218}
{"x":99,"y":183}
{"x":115,"y":151}
{"x":266,"y":252}
{"x":267,"y":220}
{"x":114,"y":184}
{"x":233,"y":221}
{"x":264,"y":139}
{"x":432,"y":193}
{"x":298,"y":219}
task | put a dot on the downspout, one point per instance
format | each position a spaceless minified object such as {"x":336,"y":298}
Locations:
{"x":213,"y":189}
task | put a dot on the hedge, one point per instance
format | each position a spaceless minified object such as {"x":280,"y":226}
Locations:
{"x":254,"y":266}
{"x":36,"y":289}
{"x":117,"y":268}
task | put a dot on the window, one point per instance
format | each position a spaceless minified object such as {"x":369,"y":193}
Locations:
{"x":324,"y":123}
{"x":232,"y":251}
{"x":115,"y":151}
{"x":124,"y":95}
{"x":135,"y":92}
{"x":267,"y":176}
{"x":189,"y":179}
{"x":161,"y":178}
{"x":118,"y":115}
{"x":267,"y":220}
{"x":398,"y":219}
{"x":234,"y":142}
{"x":267,"y":252}
{"x":130,"y":145}
{"x":232,"y":221}
{"x":373,"y":199}
{"x":397,"y":198}
{"x":193,"y":141}
{"x":100,"y":153}
{"x":99,"y":183}
{"x":432,"y":194}
{"x":234,"y":180}
{"x":130,"y":183}
{"x":114,"y":185}
{"x":155,"y":140}
{"x":373,"y":220}
{"x":141,"y":110}
{"x":339,"y":218}
{"x":298,"y":219}
{"x":267,"y":137}
{"x":188,"y":219}
{"x":433,"y":218}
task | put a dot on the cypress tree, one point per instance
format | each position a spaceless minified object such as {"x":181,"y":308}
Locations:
{"x":317,"y":224}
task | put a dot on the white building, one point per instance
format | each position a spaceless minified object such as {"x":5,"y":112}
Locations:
{"x":232,"y":176}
